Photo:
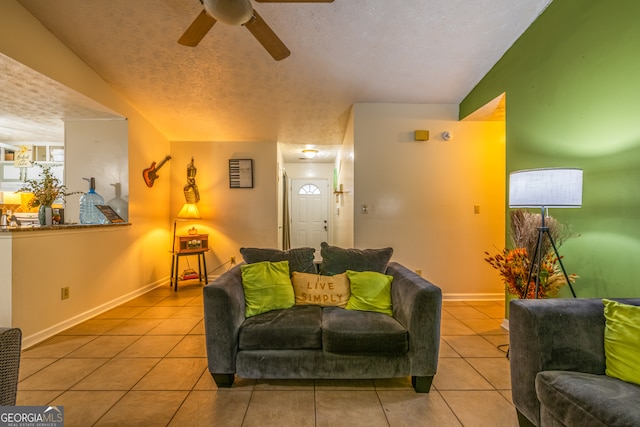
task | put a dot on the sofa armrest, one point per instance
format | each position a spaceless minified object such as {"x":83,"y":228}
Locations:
{"x":552,"y":334}
{"x":224,"y":307}
{"x":417,"y":305}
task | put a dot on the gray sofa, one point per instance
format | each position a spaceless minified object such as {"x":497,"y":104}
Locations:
{"x":324,"y":342}
{"x":558,"y":366}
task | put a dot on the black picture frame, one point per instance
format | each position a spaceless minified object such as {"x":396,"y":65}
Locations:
{"x":111,"y":215}
{"x":240,"y":173}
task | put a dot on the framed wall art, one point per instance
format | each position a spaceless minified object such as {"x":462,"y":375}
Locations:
{"x":240,"y":173}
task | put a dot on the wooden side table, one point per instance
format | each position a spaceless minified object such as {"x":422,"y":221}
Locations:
{"x":193,"y":244}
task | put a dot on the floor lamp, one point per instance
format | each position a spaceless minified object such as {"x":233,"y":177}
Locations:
{"x":543,"y":189}
{"x":188,"y":211}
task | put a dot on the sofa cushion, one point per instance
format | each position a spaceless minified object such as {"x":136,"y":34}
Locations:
{"x":325,"y":291}
{"x":348,"y":331}
{"x":622,"y":341}
{"x":580,"y":399}
{"x":267,"y":287}
{"x":300,"y":259}
{"x":295,"y":328}
{"x":337,"y":260}
{"x":370,"y":291}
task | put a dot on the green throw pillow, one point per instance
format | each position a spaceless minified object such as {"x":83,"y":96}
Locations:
{"x":622,"y":341}
{"x":370,"y":291}
{"x":267,"y":287}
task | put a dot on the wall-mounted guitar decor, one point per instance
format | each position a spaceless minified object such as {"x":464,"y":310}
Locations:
{"x":150,"y":174}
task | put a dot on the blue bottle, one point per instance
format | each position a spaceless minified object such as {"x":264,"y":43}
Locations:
{"x":89,"y":214}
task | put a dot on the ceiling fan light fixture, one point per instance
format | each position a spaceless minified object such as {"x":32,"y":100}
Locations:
{"x":232,"y":12}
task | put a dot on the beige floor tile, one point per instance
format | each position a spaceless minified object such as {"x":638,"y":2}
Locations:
{"x":151,"y":346}
{"x":454,"y":303}
{"x":134,"y":327}
{"x":175,"y":300}
{"x":472,"y":346}
{"x":338,"y":408}
{"x":178,"y":326}
{"x":117,"y":374}
{"x":29,"y":367}
{"x":293,"y":384}
{"x":190,"y":346}
{"x":481,"y":408}
{"x":446,"y":350}
{"x":410,"y":409}
{"x":485,"y":326}
{"x":499,"y":341}
{"x":105,"y":346}
{"x":403,"y":383}
{"x":92,"y":327}
{"x":454,"y":327}
{"x":84,"y":408}
{"x":342,"y":384}
{"x":189,"y":312}
{"x":206,"y":382}
{"x":173,"y":374}
{"x":197,"y":302}
{"x":121,"y":312}
{"x":493,"y":311}
{"x":458,"y":374}
{"x":145,"y":300}
{"x":144,"y":409}
{"x":61,"y":375}
{"x":156,"y":312}
{"x":507,"y":395}
{"x":271,"y":409}
{"x":465,"y":312}
{"x":36,"y":397}
{"x":211,"y":408}
{"x":198,"y":329}
{"x":494,"y":369}
{"x":57,"y":346}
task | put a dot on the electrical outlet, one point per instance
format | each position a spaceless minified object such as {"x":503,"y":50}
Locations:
{"x":232,"y":260}
{"x":64,"y":293}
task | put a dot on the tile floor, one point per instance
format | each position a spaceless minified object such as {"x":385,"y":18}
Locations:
{"x":144,"y":363}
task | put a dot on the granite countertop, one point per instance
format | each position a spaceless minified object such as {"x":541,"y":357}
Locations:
{"x":61,"y":227}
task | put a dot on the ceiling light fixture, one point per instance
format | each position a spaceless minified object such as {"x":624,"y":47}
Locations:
{"x":232,"y":12}
{"x":309,"y":153}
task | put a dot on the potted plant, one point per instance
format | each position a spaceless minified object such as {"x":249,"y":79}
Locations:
{"x":45,"y":191}
{"x":514,"y":264}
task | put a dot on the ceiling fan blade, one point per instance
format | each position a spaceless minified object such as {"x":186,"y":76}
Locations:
{"x":197,"y":30}
{"x":294,"y":1}
{"x":267,"y":38}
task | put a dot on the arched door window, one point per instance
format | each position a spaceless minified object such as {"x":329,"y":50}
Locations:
{"x":308,"y":190}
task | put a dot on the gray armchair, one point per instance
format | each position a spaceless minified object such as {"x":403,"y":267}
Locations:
{"x":10,"y":346}
{"x":558,"y":366}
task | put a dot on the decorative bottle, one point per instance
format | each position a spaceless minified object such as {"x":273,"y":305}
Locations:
{"x":119,"y":204}
{"x":89,"y":214}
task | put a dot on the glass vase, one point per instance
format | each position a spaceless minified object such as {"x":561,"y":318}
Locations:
{"x":42,"y":217}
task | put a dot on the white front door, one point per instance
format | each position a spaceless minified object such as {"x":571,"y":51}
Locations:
{"x":309,"y":227}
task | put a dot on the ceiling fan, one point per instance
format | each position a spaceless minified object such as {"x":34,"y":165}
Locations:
{"x":239,"y":12}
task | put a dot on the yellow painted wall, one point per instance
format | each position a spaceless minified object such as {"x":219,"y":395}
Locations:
{"x":132,"y":258}
{"x":420,"y":196}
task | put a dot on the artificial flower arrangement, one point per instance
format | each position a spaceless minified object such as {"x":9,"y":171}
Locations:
{"x":514,"y":264}
{"x":45,"y":190}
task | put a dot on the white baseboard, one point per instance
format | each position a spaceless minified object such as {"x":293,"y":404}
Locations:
{"x":38,"y":337}
{"x":505,"y":324}
{"x":473,"y":297}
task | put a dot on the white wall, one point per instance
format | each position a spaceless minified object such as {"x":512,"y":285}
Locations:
{"x":343,"y":209}
{"x":421,"y":195}
{"x":99,"y":149}
{"x":233,"y":217}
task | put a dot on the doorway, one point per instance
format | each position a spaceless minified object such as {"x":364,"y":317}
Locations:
{"x":309,"y":213}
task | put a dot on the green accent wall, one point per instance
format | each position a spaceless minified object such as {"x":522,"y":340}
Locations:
{"x":572,"y":84}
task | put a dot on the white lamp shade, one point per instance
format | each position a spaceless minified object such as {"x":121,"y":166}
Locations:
{"x":549,"y":187}
{"x":189,"y":211}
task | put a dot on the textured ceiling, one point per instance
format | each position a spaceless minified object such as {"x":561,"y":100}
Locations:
{"x":229,"y":89}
